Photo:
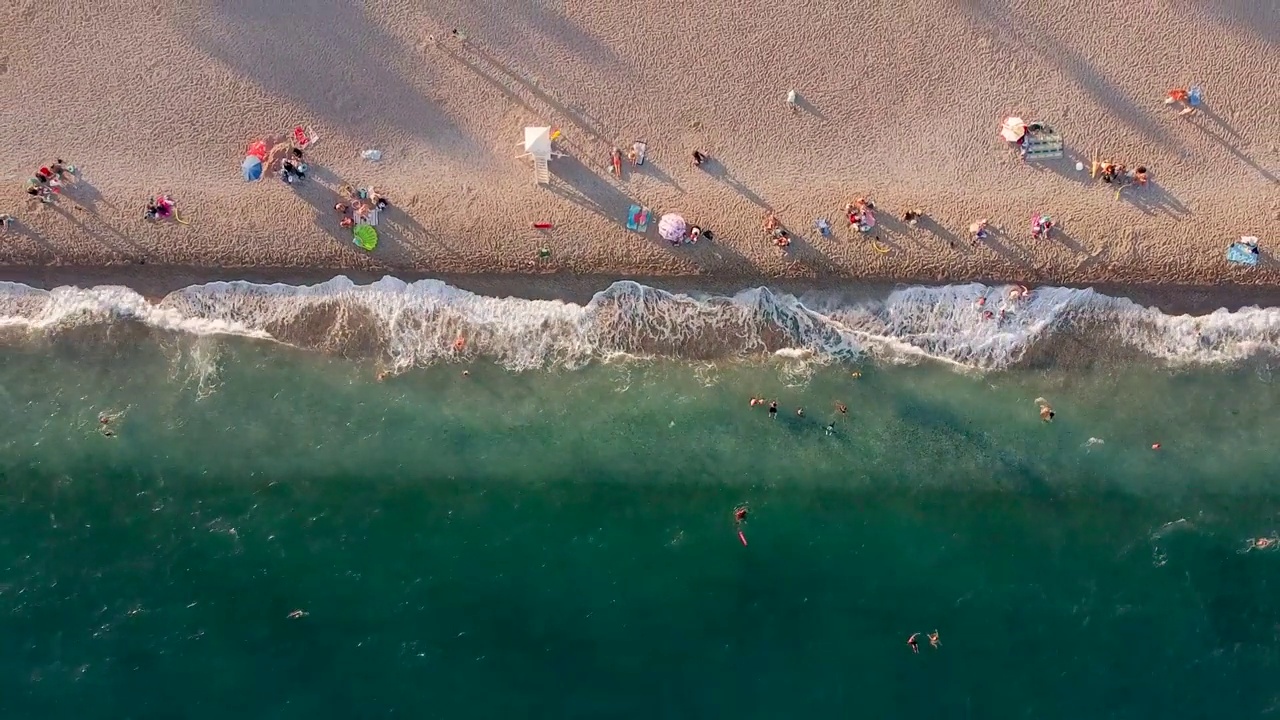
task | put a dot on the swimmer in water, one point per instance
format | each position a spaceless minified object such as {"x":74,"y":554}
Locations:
{"x":914,"y":643}
{"x":1046,"y":410}
{"x":842,"y":408}
{"x":934,"y":641}
{"x":831,"y":428}
{"x":1260,"y":544}
{"x":756,"y":401}
{"x":382,"y":375}
{"x":799,"y":412}
{"x":104,"y":422}
{"x":773,"y":410}
{"x":856,"y":374}
{"x":739,"y":514}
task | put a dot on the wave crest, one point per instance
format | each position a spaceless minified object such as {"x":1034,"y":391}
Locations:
{"x":419,"y":323}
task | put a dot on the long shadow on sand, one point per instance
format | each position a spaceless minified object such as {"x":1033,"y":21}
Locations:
{"x":325,"y":55}
{"x":993,"y":18}
{"x":718,"y":170}
{"x":1154,"y":199}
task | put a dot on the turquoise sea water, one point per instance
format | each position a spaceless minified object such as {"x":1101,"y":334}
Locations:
{"x":559,"y":542}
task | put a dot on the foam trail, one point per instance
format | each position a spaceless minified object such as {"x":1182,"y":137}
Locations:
{"x":403,"y":324}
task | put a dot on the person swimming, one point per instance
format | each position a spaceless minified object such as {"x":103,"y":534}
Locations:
{"x":740,"y":514}
{"x":1046,"y":410}
{"x":934,"y":641}
{"x":773,"y":410}
{"x":914,"y":643}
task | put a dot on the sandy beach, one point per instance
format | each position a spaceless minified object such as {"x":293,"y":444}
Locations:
{"x":900,"y":103}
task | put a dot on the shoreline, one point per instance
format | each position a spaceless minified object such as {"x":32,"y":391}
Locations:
{"x":154,"y":282}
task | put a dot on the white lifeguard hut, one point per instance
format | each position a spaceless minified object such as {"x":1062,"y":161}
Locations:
{"x":537,"y":145}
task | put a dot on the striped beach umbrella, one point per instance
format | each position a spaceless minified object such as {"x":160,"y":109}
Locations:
{"x":671,"y":227}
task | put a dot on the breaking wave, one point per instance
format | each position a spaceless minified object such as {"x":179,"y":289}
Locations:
{"x":411,"y":324}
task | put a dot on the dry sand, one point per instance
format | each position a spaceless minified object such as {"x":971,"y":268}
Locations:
{"x":900,"y":102}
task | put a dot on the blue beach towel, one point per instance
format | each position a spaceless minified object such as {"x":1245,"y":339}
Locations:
{"x":1241,"y":254}
{"x":638,"y":218}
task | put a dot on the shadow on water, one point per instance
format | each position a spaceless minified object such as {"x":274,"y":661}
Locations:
{"x":940,"y":422}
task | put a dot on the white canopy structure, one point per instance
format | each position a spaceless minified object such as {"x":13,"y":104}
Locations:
{"x":537,"y":145}
{"x":537,"y":142}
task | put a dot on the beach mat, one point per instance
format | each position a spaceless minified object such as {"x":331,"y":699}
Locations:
{"x":1241,"y":254}
{"x":638,"y":218}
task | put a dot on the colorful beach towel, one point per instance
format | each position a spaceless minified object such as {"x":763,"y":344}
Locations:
{"x":638,"y":218}
{"x":1242,"y":254}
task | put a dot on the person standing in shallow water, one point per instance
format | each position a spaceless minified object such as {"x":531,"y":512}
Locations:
{"x":773,"y":410}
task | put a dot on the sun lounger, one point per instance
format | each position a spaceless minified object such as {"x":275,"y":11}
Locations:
{"x":638,"y":218}
{"x":1042,"y":144}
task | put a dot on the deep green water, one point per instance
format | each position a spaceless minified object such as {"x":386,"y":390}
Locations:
{"x":560,"y":544}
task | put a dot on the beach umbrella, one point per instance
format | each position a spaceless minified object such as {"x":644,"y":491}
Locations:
{"x":671,"y":227}
{"x":366,"y":236}
{"x":252,"y":168}
{"x":1013,"y":129}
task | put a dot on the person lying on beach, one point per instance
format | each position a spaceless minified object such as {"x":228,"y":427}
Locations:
{"x":698,"y":159}
{"x":771,"y":224}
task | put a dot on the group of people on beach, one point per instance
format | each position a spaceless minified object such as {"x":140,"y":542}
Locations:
{"x":359,"y":205}
{"x":47,"y":182}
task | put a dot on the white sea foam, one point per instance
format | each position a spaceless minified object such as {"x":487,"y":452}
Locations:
{"x":409,"y":324}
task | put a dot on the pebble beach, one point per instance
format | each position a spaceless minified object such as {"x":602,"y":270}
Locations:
{"x":901,"y":104}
